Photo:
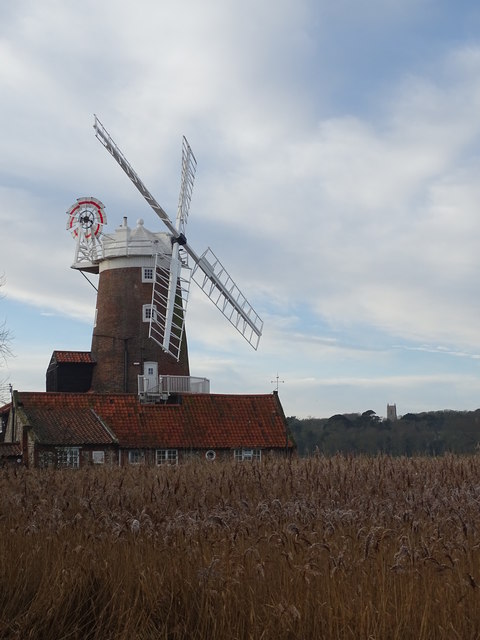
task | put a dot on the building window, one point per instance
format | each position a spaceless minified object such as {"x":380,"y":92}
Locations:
{"x":147,"y":274}
{"x":241,"y":455}
{"x":46,"y":459}
{"x":148,"y":311}
{"x":191,"y":455}
{"x":167,"y":456}
{"x":98,"y":457}
{"x":68,"y":457}
{"x":136,"y":456}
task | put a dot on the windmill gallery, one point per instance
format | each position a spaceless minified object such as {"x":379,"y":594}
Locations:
{"x":131,"y":398}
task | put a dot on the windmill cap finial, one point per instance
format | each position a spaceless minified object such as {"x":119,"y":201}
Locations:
{"x":140,"y":222}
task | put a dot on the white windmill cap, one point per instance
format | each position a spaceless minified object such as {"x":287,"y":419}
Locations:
{"x":135,"y":242}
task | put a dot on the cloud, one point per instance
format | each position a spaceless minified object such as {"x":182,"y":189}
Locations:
{"x":440,"y":350}
{"x":337,"y":174}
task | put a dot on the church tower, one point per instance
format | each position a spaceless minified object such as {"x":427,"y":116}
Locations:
{"x":392,"y":412}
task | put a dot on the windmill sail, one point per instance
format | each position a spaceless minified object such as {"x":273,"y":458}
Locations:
{"x":168,"y":331}
{"x":106,"y":139}
{"x":214,"y":280}
{"x":179,"y":259}
{"x":189,"y":167}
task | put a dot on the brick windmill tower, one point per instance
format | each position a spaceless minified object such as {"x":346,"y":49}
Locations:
{"x":144,"y":280}
{"x":127,"y":262}
{"x":121,"y":342}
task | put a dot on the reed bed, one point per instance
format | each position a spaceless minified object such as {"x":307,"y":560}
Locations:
{"x":339,"y":547}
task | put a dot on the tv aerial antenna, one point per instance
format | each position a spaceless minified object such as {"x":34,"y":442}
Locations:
{"x":171,"y":283}
{"x":277,"y":381}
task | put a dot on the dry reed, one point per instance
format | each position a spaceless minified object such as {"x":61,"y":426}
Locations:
{"x":341,"y":547}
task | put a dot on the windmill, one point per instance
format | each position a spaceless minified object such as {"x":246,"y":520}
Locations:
{"x":172,"y":274}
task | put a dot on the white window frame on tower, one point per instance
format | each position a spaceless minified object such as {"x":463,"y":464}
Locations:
{"x":147,"y":311}
{"x":147,"y":274}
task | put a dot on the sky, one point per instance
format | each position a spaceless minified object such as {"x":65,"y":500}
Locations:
{"x":338,"y":150}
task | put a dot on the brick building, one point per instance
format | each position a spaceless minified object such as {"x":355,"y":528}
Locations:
{"x":76,"y":430}
{"x":128,"y":401}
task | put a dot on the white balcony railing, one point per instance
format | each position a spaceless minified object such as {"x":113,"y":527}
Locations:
{"x":172,"y":384}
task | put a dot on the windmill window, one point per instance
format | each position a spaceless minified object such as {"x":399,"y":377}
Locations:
{"x":68,"y":457}
{"x":167,"y":456}
{"x":244,"y":455}
{"x":149,"y":311}
{"x":147,"y":274}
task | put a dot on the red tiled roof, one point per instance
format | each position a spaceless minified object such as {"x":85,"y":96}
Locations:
{"x":10,"y":449}
{"x":63,"y":418}
{"x":199,"y":421}
{"x":77,"y":357}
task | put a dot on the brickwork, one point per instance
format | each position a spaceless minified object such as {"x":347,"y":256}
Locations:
{"x":120,"y":342}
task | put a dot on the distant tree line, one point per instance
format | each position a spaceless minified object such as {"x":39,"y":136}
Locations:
{"x":429,"y":433}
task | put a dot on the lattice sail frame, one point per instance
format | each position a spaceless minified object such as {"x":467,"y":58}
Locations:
{"x":228,"y":298}
{"x":189,"y":168}
{"x":172,"y":343}
{"x":179,"y":257}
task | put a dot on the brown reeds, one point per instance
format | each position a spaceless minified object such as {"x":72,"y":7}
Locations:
{"x":340,"y":547}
